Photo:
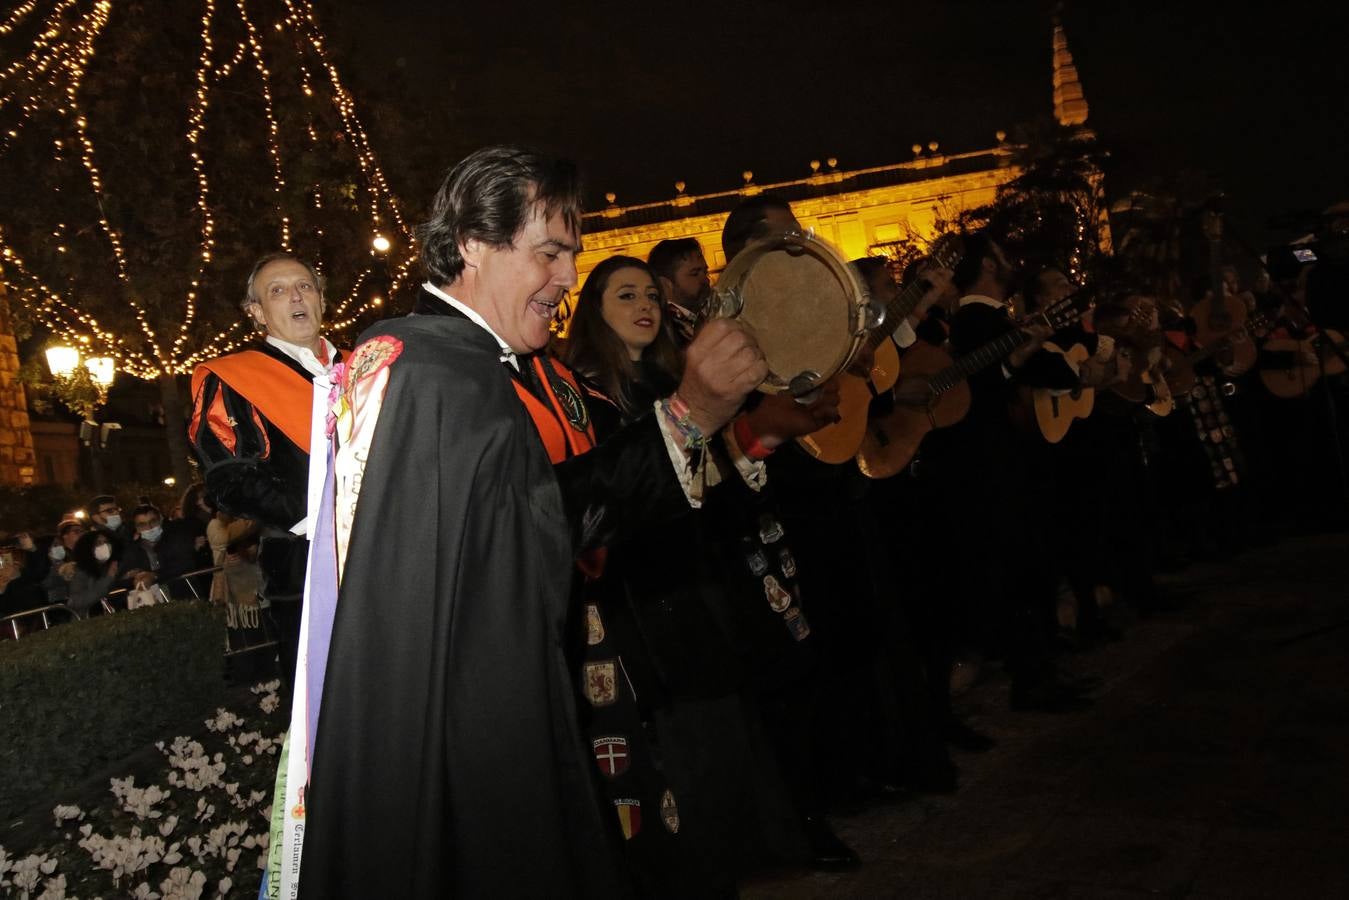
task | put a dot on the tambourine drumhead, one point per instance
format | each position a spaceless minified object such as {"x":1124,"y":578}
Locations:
{"x":804,"y":305}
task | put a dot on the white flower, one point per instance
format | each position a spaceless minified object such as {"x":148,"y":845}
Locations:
{"x":143,"y":892}
{"x":27,"y":873}
{"x":267,"y":688}
{"x":65,"y":813}
{"x":124,"y":855}
{"x":166,"y":827}
{"x":140,"y":802}
{"x":224,"y":720}
{"x":54,"y":889}
{"x":269,"y":703}
{"x":224,"y":886}
{"x":183,"y":884}
{"x":191,"y":768}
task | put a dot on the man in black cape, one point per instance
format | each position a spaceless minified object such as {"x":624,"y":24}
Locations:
{"x":448,"y":757}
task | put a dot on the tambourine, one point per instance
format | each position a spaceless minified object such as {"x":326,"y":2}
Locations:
{"x":803,"y":303}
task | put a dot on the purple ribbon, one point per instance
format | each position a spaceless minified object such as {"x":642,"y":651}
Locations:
{"x":322,"y":600}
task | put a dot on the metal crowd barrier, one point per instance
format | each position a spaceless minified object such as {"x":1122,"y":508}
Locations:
{"x":9,"y":625}
{"x":115,"y":602}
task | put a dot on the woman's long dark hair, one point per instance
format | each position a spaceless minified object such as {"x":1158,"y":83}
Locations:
{"x":596,"y":351}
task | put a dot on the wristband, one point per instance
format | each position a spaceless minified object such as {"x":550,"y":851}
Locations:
{"x":749,"y":441}
{"x":680,"y":418}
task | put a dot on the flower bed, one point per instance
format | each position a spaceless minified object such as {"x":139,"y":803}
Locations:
{"x":188,"y":820}
{"x":79,"y":696}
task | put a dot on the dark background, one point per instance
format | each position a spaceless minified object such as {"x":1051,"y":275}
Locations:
{"x":1191,"y":96}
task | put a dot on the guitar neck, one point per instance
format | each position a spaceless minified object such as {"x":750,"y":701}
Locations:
{"x":896,"y":311}
{"x":1219,"y":346}
{"x":995,"y":350}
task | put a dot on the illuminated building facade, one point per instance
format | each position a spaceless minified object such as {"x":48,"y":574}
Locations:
{"x":860,"y":211}
{"x":857,"y":211}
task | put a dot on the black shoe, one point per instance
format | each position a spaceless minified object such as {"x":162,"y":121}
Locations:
{"x":1047,"y":695}
{"x":828,"y":853}
{"x":963,"y":737}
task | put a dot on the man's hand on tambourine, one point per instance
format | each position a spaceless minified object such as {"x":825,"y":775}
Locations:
{"x":722,"y":365}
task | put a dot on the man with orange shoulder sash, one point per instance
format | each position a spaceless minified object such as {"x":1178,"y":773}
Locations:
{"x":250,"y":428}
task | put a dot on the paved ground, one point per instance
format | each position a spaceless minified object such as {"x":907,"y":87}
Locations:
{"x":1215,"y":763}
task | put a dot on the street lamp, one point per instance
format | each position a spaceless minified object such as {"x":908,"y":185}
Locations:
{"x":63,"y":360}
{"x":101,"y":369}
{"x":82,"y":385}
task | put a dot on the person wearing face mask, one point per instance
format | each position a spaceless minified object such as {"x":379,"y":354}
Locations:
{"x":161,"y":553}
{"x":61,"y":557}
{"x":95,"y":555}
{"x":250,"y":428}
{"x":105,"y":516}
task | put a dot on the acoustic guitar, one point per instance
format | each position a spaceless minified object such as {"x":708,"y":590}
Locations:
{"x":1221,"y":314}
{"x":1324,"y":353}
{"x":1150,"y":388}
{"x":1180,"y":375}
{"x":1055,"y":410}
{"x":837,"y":443}
{"x":892,"y":439}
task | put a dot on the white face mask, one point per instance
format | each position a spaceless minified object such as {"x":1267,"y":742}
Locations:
{"x":103,"y":552}
{"x":152,"y":534}
{"x":58,"y":552}
{"x":113,"y":522}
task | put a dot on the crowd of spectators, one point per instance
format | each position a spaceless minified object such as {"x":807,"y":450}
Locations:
{"x":104,"y":558}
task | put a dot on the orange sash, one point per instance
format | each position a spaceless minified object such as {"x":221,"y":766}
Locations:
{"x":283,"y":396}
{"x":551,"y":419}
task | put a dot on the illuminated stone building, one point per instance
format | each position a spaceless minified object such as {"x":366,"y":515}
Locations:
{"x":858,"y":211}
{"x":855,"y":211}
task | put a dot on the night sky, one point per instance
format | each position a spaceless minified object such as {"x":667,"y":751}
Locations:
{"x":642,"y":95}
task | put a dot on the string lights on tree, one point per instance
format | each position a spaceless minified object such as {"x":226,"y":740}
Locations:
{"x":144,"y":171}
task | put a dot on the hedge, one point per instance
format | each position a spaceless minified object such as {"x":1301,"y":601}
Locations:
{"x":77,"y":697}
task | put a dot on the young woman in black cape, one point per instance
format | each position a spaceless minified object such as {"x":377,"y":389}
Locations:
{"x":681,"y":611}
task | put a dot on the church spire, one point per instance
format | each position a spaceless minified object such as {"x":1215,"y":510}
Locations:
{"x":1070,"y":104}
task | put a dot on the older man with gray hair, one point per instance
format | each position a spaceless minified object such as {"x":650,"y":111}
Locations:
{"x":250,"y":428}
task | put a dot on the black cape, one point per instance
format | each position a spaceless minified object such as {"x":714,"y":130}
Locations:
{"x":449,"y":760}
